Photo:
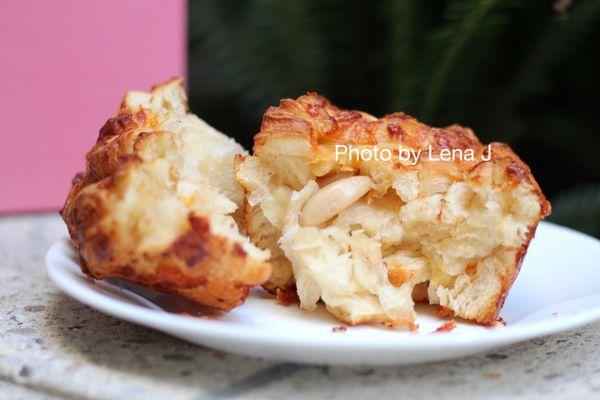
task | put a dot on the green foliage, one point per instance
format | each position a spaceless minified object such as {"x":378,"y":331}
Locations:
{"x":444,"y":47}
{"x":515,"y":71}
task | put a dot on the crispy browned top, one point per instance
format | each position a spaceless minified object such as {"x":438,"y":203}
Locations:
{"x":315,"y":119}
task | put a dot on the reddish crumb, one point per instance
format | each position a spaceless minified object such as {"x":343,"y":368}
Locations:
{"x":444,"y":312}
{"x":286,"y":298}
{"x":500,"y":322}
{"x":493,"y":375}
{"x":446,"y":326}
{"x":400,"y":324}
{"x":339,"y":329}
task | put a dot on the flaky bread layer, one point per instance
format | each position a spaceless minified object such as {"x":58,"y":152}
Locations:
{"x":458,"y":228}
{"x":156,"y":204}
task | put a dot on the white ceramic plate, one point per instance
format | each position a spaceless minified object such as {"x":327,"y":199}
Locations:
{"x":558,"y":289}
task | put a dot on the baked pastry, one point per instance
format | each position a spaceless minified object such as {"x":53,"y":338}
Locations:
{"x":155,"y":205}
{"x":367,"y":235}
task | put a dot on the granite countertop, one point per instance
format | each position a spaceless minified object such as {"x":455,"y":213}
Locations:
{"x":54,"y":347}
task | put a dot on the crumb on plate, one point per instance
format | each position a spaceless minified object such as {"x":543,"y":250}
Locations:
{"x":447,"y":326}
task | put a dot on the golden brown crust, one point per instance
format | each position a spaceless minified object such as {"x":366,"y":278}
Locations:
{"x":315,"y":126}
{"x":314,"y":118}
{"x":197,"y":262}
{"x":116,"y":138}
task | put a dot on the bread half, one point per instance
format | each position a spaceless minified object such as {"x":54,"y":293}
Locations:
{"x":370,"y":236}
{"x":157,"y":201}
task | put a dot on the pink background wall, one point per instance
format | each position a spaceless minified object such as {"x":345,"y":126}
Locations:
{"x":64,"y":66}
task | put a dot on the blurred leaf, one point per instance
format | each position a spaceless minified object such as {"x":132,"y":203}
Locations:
{"x":443,"y":49}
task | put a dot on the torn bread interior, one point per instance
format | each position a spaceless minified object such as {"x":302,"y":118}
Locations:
{"x":369,"y":236}
{"x":157,"y":204}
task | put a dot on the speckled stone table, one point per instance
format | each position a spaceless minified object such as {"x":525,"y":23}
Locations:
{"x":53,"y":347}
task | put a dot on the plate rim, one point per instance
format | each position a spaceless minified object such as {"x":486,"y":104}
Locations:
{"x":207,"y":329}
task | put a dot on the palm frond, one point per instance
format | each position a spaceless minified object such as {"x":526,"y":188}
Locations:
{"x":445,"y":45}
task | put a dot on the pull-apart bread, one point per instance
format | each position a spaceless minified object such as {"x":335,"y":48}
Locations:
{"x":157,"y":201}
{"x":369,"y":236}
